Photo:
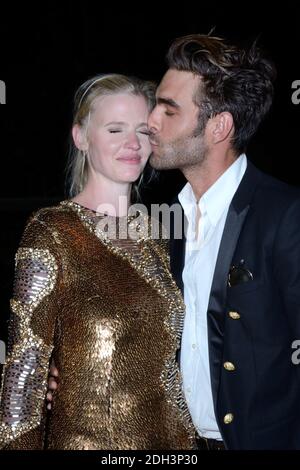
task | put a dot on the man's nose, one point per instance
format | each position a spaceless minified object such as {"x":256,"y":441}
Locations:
{"x":153,"y":123}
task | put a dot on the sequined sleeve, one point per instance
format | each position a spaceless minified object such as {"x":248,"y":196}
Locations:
{"x":33,"y":312}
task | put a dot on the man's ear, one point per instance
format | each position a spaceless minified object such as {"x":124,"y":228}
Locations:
{"x":79,"y":137}
{"x":222,"y":127}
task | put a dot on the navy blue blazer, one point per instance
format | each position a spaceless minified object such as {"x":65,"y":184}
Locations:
{"x":253,"y":323}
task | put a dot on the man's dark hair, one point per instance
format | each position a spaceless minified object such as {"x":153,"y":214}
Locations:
{"x":233,"y":79}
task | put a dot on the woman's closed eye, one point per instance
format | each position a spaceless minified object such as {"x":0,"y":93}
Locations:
{"x":141,"y":131}
{"x":144,"y":131}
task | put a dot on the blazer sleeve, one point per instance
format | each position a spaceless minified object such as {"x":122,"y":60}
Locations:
{"x":34,"y":308}
{"x":286,"y":258}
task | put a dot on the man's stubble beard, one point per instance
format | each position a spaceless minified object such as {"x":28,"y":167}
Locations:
{"x":180,"y":154}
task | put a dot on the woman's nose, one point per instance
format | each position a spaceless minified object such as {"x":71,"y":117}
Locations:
{"x":133,"y":141}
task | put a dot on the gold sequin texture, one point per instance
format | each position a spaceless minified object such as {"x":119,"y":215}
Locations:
{"x":109,"y":313}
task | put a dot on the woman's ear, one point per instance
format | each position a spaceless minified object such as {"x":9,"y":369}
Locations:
{"x":79,"y":137}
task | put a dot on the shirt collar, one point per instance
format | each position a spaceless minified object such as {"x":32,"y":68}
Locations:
{"x":211,"y":202}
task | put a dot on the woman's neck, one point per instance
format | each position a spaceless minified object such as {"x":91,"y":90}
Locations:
{"x":108,"y":197}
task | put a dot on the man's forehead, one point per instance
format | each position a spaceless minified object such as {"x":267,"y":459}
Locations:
{"x":177,"y":83}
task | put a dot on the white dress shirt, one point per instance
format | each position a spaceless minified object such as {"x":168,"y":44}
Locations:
{"x":200,"y":261}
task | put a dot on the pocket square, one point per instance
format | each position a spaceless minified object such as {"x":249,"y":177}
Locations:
{"x":239,"y":274}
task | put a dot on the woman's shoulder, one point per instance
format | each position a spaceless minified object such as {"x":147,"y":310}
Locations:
{"x":56,"y":217}
{"x":52,"y":214}
{"x":48,"y":223}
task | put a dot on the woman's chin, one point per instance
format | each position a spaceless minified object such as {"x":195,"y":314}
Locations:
{"x":130,"y":176}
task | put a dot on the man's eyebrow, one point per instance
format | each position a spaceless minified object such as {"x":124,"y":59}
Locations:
{"x":167,"y":101}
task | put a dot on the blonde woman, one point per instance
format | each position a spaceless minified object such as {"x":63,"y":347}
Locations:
{"x":106,"y":309}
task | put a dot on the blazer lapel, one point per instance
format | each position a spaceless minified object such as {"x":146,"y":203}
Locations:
{"x":216,"y":306}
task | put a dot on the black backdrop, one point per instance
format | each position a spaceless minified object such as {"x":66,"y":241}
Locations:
{"x":48,"y":50}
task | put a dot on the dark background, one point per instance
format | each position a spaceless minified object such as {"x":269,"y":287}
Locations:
{"x":47,"y":51}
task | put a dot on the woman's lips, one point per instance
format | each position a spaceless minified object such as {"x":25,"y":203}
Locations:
{"x":130,"y":160}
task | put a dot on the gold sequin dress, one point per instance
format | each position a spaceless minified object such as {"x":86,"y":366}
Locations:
{"x":109,"y":313}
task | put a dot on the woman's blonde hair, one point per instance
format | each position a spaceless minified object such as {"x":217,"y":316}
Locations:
{"x":85,"y":96}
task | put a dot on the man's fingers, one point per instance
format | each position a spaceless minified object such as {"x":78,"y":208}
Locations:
{"x":52,"y":385}
{"x":53,"y":371}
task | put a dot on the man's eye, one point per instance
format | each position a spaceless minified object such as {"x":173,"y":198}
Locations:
{"x":167,"y":113}
{"x":114,"y":131}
